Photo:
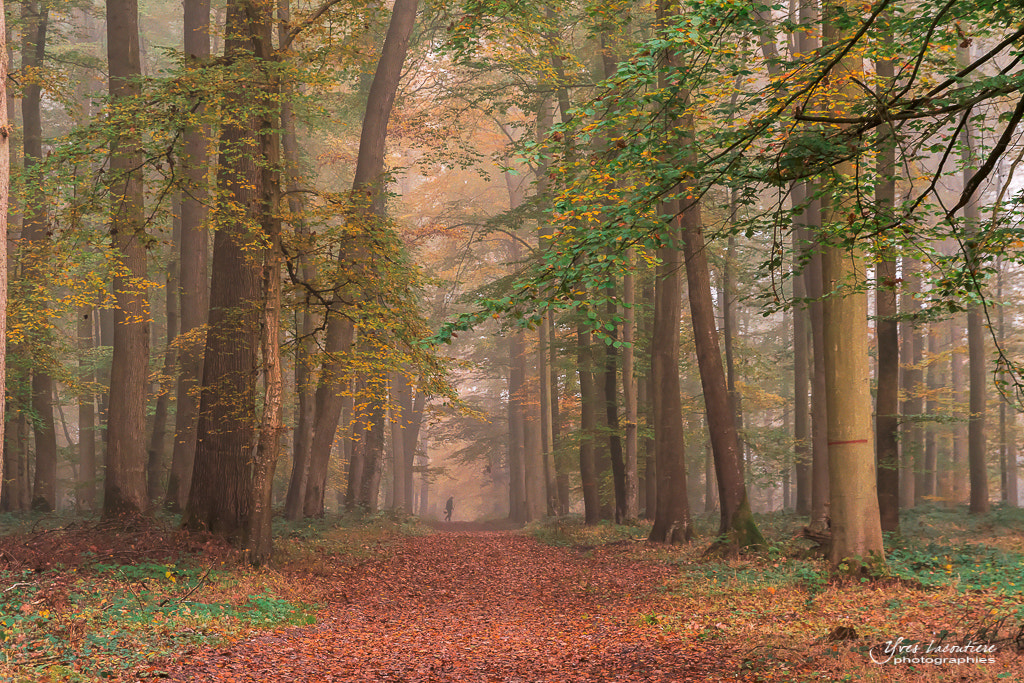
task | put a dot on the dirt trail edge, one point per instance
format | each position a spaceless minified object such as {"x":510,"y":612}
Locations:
{"x":476,"y":606}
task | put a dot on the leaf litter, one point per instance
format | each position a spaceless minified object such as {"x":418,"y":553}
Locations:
{"x":475,"y":606}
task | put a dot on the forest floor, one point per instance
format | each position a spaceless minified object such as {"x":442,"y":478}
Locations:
{"x":391,"y":599}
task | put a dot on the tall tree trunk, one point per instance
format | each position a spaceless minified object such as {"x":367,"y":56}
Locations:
{"x":562,"y":465}
{"x":125,"y":483}
{"x":399,"y":387}
{"x":807,"y":42}
{"x":672,"y":523}
{"x":357,"y":461}
{"x":517,"y":427}
{"x":368,"y":182}
{"x":86,"y":488}
{"x":672,"y":509}
{"x":801,"y":379}
{"x":34,"y":232}
{"x":925,"y":469}
{"x":629,"y":388}
{"x":533,"y":461}
{"x":729,"y":327}
{"x":548,"y":389}
{"x":856,"y":528}
{"x":887,"y":401}
{"x":412,"y":409}
{"x":645,"y":397}
{"x":258,"y":533}
{"x":912,"y":451}
{"x":5,"y":178}
{"x":193,"y":265}
{"x":307,"y":319}
{"x":1007,"y":414}
{"x":959,"y":489}
{"x":736,"y":518}
{"x":221,"y":494}
{"x":977,"y":380}
{"x":611,"y":402}
{"x":158,"y":440}
{"x":588,"y":425}
{"x":373,"y":449}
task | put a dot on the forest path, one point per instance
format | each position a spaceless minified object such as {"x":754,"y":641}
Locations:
{"x":474,"y":606}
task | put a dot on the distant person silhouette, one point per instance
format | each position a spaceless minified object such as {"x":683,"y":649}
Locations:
{"x":448,"y":507}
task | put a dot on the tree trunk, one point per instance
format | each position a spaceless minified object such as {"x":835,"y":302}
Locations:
{"x":801,"y":379}
{"x":729,"y":329}
{"x":887,"y":401}
{"x":645,"y":398}
{"x":158,"y":440}
{"x":912,"y":451}
{"x":672,"y":522}
{"x":736,"y":518}
{"x":357,"y":462}
{"x":629,"y":388}
{"x":976,"y":360}
{"x":533,"y":461}
{"x":672,"y":509}
{"x":221,"y":495}
{"x":5,"y":179}
{"x":925,"y":469}
{"x":193,"y":265}
{"x":125,"y":482}
{"x":34,"y":232}
{"x":368,"y":182}
{"x":588,"y":425}
{"x":399,"y":387}
{"x":611,"y":402}
{"x":86,"y":488}
{"x":259,"y":539}
{"x":307,"y":319}
{"x":516,"y":428}
{"x":856,"y":529}
{"x":1007,"y":414}
{"x":373,"y":450}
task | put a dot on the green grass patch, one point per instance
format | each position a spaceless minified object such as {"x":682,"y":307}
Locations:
{"x":106,"y":618}
{"x":97,"y":617}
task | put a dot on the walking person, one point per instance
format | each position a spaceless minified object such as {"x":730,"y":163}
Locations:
{"x":448,"y":507}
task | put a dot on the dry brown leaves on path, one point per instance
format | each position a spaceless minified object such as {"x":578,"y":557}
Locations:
{"x":477,"y":606}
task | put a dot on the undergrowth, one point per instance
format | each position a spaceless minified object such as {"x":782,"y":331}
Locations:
{"x":572,"y":532}
{"x":111,"y":606}
{"x":952,"y":577}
